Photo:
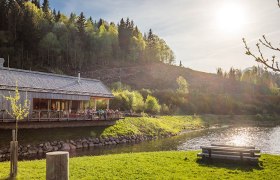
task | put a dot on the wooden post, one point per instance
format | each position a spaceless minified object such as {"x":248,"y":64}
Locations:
{"x":95,"y":104}
{"x":14,"y":155}
{"x":57,"y":167}
{"x":108,"y":103}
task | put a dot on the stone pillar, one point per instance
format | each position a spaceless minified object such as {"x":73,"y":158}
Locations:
{"x":57,"y":167}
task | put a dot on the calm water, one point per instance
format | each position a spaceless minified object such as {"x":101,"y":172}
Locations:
{"x":267,"y":139}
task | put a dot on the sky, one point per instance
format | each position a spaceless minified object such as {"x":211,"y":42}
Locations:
{"x":203,"y":34}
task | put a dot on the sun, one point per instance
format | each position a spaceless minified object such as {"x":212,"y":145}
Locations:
{"x":230,"y":18}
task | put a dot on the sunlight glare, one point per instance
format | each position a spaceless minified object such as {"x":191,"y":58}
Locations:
{"x":230,"y":18}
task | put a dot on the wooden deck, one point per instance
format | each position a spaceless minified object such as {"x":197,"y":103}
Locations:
{"x":59,"y":119}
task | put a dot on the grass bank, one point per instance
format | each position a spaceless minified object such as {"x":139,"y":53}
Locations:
{"x":155,"y":165}
{"x":153,"y":126}
{"x":174,"y":124}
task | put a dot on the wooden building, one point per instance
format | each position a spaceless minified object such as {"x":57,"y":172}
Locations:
{"x":53,"y":97}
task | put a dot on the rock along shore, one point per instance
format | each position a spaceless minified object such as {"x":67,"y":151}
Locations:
{"x":38,"y":151}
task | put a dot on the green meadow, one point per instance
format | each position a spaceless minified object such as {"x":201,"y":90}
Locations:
{"x":154,"y":165}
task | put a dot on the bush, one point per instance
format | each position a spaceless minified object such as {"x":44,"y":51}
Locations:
{"x":152,"y":105}
{"x":126,"y":100}
{"x":165,"y":109}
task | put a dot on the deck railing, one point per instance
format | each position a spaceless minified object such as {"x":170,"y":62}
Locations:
{"x":44,"y":115}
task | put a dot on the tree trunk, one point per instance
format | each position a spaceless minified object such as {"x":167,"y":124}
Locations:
{"x":14,"y":155}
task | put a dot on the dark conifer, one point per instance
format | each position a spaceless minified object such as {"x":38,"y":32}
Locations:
{"x":46,"y":6}
{"x":81,"y":23}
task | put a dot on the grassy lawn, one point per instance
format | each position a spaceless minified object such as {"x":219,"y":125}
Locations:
{"x":155,"y":165}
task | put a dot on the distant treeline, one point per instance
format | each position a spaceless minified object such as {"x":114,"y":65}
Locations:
{"x":34,"y":36}
{"x":186,"y":101}
{"x":270,"y":81}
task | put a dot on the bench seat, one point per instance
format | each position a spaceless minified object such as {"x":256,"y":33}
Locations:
{"x":229,"y":152}
{"x":228,"y":157}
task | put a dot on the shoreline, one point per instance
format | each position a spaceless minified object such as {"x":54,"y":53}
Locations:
{"x":184,"y":124}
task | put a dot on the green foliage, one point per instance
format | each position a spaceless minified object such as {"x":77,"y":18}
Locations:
{"x":152,"y":105}
{"x":19,"y":110}
{"x":183,"y":85}
{"x":128,"y":100}
{"x":38,"y":36}
{"x":152,"y":126}
{"x":151,"y":165}
{"x":165,"y":109}
{"x":118,"y":86}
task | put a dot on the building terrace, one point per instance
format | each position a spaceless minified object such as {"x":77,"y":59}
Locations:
{"x":55,"y":98}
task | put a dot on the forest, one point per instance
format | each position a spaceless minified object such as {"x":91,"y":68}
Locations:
{"x":134,"y":64}
{"x":34,"y":36}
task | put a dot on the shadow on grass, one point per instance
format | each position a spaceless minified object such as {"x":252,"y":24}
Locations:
{"x":232,"y":165}
{"x":7,"y":178}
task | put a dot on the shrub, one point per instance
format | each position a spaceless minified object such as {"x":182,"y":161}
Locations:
{"x":152,"y":105}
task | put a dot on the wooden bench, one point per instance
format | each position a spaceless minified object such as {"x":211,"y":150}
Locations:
{"x":227,"y":152}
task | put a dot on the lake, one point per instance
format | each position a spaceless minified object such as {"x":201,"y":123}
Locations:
{"x":267,"y":139}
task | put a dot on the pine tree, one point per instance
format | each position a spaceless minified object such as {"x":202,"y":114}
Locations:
{"x":58,"y":16}
{"x":54,"y":12}
{"x":46,"y":6}
{"x":81,"y":23}
{"x":37,"y":3}
{"x":3,"y":14}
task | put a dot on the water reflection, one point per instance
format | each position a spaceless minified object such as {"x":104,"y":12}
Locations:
{"x":267,"y":139}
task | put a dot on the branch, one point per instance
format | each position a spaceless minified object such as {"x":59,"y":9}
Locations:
{"x":278,"y":3}
{"x":269,"y":63}
{"x":268,"y":44}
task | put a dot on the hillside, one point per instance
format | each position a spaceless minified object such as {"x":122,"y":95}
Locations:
{"x":162,"y":76}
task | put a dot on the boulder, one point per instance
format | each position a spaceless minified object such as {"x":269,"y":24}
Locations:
{"x":65,"y":147}
{"x":55,"y":148}
{"x":72,"y":147}
{"x":79,"y":145}
{"x":32,"y":151}
{"x":40,"y":151}
{"x":85,"y":145}
{"x":72,"y":142}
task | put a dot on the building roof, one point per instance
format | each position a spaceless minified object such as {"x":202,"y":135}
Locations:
{"x":33,"y":81}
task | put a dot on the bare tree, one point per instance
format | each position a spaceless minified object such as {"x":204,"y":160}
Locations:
{"x":269,"y":63}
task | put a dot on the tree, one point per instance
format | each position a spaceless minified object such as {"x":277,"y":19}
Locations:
{"x":81,"y":24}
{"x":46,"y":6}
{"x":37,"y":3}
{"x":181,"y":65}
{"x":18,"y":111}
{"x":182,"y":85}
{"x":50,"y":45}
{"x":220,"y":72}
{"x":270,"y":63}
{"x":152,"y":105}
